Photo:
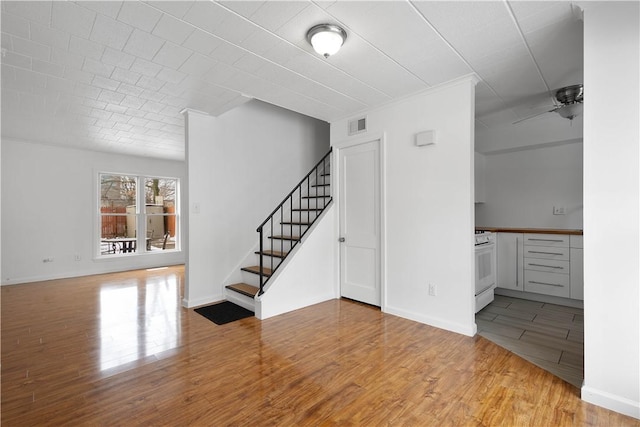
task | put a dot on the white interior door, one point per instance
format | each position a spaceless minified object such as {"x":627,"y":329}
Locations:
{"x":360,"y":222}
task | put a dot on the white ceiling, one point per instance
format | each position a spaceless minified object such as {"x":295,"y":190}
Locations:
{"x":114,"y":76}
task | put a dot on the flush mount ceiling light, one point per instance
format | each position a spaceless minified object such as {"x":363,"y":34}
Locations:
{"x":326,"y":39}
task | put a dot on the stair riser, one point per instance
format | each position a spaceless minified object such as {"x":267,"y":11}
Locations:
{"x":241,"y":300}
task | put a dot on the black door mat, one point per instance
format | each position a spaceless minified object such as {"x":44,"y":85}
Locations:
{"x":224,"y":312}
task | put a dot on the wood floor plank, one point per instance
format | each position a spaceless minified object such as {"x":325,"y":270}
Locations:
{"x":119,"y":349}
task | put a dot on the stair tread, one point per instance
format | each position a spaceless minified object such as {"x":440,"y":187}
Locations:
{"x":306,"y":209}
{"x":296,"y":223}
{"x":320,"y":185}
{"x":316,"y":197}
{"x":325,"y":174}
{"x":285,"y":237}
{"x":277,"y":254}
{"x":244,"y":289}
{"x":256,"y":270}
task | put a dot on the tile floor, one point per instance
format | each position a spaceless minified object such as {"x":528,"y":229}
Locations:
{"x":548,"y":335}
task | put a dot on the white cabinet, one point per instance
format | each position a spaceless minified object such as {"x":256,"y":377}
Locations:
{"x":546,"y":260}
{"x":577,"y":268}
{"x":548,"y":264}
{"x":509,"y":257}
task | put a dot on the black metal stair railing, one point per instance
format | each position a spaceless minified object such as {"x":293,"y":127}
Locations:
{"x":295,"y":201}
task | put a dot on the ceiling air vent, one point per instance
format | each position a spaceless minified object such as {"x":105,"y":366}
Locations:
{"x":357,"y":125}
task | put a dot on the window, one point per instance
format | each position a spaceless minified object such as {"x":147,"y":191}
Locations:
{"x":138,"y":214}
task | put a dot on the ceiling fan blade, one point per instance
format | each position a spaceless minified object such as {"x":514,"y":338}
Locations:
{"x":535,"y":115}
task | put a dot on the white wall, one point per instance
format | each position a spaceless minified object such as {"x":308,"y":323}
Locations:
{"x":428,"y":205}
{"x":49,"y":211}
{"x":522,"y":187}
{"x":546,"y":129}
{"x":241,"y":165}
{"x":307,"y":277}
{"x":611,"y":206}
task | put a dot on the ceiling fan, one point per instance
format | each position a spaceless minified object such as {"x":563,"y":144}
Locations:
{"x":568,"y":103}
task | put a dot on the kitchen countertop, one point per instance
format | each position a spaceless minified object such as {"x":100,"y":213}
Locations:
{"x":530,"y":230}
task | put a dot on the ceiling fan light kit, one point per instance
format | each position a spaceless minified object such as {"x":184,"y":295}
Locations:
{"x":326,"y":39}
{"x":570,"y":111}
{"x":570,"y":103}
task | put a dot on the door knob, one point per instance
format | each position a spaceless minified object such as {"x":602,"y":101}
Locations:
{"x":341,"y":239}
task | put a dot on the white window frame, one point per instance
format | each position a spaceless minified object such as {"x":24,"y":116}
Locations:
{"x":141,"y":216}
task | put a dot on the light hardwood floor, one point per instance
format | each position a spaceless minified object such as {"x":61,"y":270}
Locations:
{"x":118,"y":350}
{"x":548,"y":335}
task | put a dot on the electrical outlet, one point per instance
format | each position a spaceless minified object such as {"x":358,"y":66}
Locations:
{"x":559,"y":210}
{"x":433,"y":290}
{"x":77,"y":257}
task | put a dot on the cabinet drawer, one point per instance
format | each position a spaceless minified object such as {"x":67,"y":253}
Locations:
{"x":546,"y":252}
{"x":542,"y":282}
{"x":560,"y":240}
{"x":548,"y":265}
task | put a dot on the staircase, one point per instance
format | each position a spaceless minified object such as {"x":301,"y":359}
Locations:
{"x":282,"y":230}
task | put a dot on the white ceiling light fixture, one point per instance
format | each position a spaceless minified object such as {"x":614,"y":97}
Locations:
{"x":326,"y":39}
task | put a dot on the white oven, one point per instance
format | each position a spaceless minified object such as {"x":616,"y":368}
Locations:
{"x":485,"y":277}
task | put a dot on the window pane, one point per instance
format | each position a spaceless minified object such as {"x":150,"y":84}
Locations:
{"x":160,"y":200}
{"x":166,"y":241}
{"x":118,"y":234}
{"x":117,"y":191}
{"x":160,"y":191}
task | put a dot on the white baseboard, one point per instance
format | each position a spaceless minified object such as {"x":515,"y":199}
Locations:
{"x":197,"y":302}
{"x":610,"y":401}
{"x":468,"y":330}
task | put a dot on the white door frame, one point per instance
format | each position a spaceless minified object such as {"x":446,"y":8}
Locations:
{"x":335,"y":184}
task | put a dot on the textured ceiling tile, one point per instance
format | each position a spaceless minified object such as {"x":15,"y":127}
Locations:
{"x":85,"y":48}
{"x":132,"y":102}
{"x":67,"y":58}
{"x":205,"y":15}
{"x":47,"y":68}
{"x":177,"y":8}
{"x":105,"y":83}
{"x":145,"y":67}
{"x":197,"y":65}
{"x":32,"y":49}
{"x":172,"y":29}
{"x":109,"y":8}
{"x":171,"y":76}
{"x":126,"y":76}
{"x":13,"y":24}
{"x":32,"y":10}
{"x":201,"y":42}
{"x":143,"y":44}
{"x":5,"y":41}
{"x":72,"y":18}
{"x":87,"y":91}
{"x":244,"y":8}
{"x":128,"y":89}
{"x":48,"y":36}
{"x":97,"y":67}
{"x":172,"y":56}
{"x":26,"y":79}
{"x":152,"y":95}
{"x":110,"y":32}
{"x":273,"y":15}
{"x":227,"y":53}
{"x":150,"y":83}
{"x":534,"y":15}
{"x":117,"y":58}
{"x":139,"y":15}
{"x":17,"y":60}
